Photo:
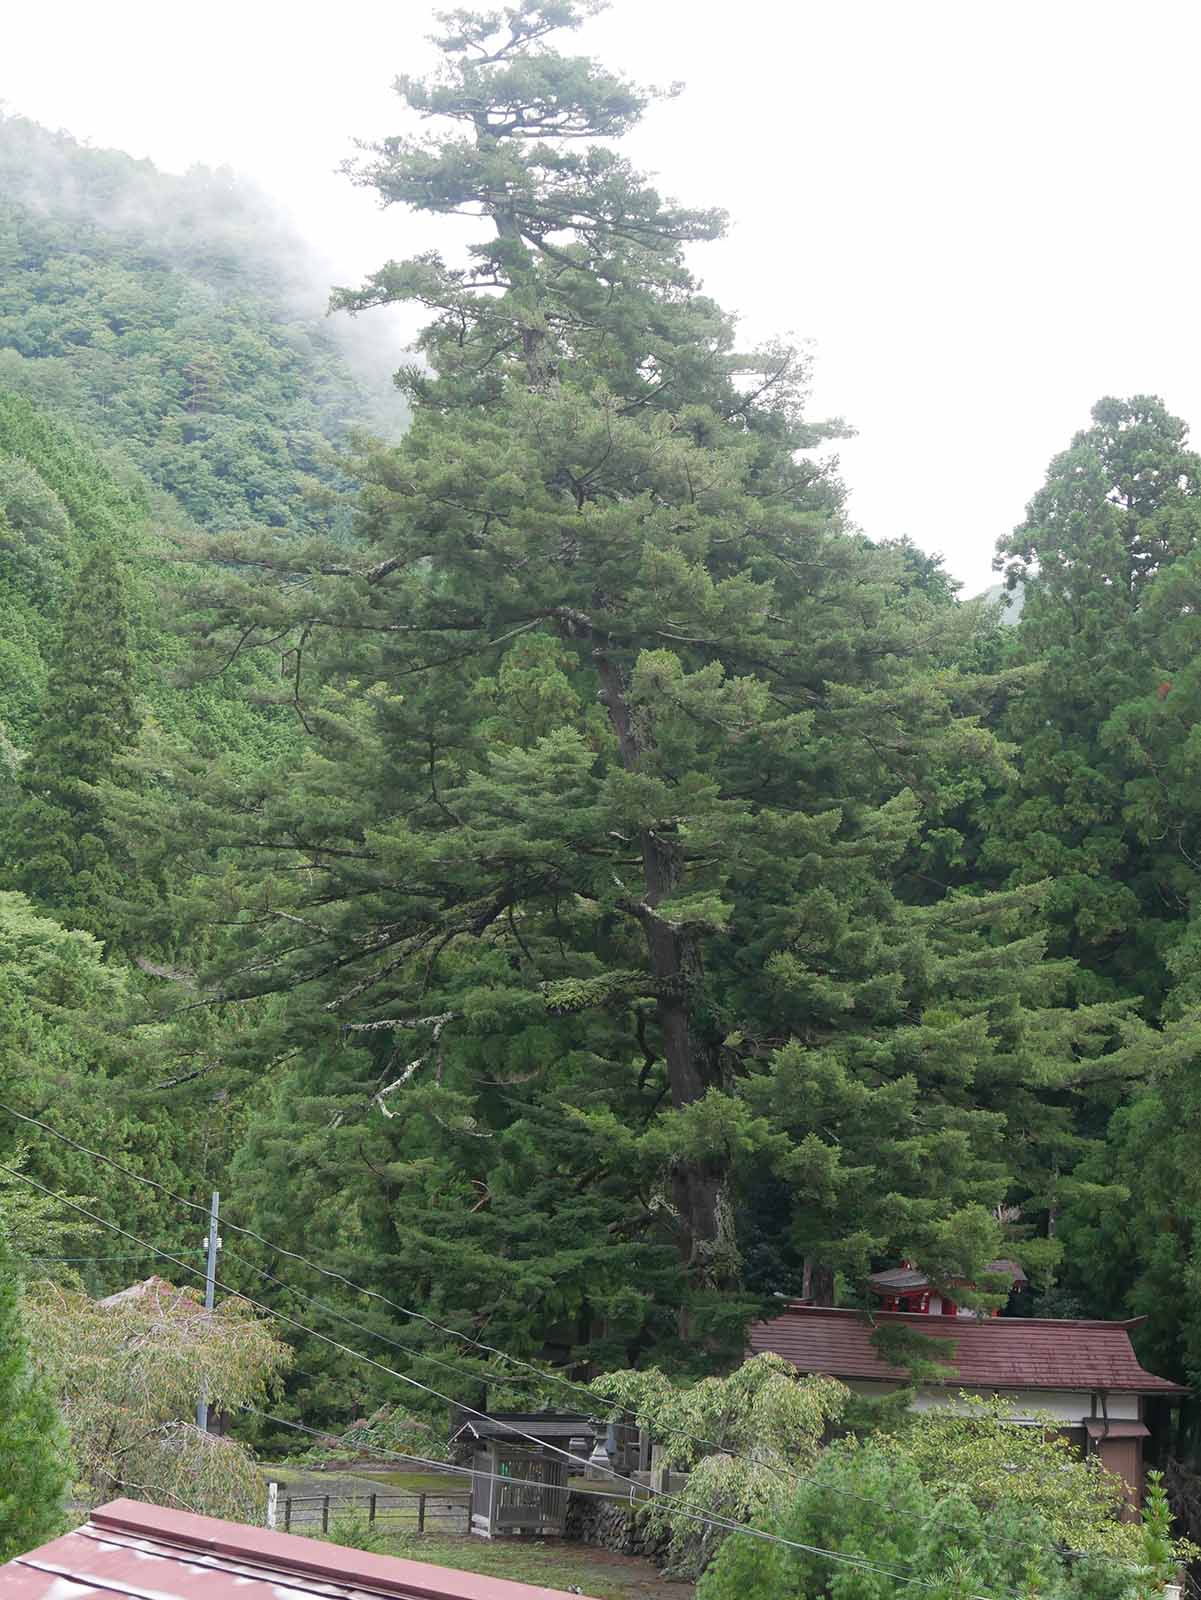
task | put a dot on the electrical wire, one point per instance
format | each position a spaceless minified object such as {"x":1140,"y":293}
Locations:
{"x":780,"y":1470}
{"x":139,"y":1257}
{"x":293,"y":1255}
{"x":591,"y":1395}
{"x":603,"y":1494}
{"x":681,"y":1507}
{"x":293,"y":1322}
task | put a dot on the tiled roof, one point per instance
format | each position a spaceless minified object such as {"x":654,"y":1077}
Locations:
{"x":144,"y":1552}
{"x":988,"y":1352}
{"x":898,"y":1278}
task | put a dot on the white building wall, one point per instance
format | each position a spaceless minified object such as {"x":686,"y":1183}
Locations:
{"x":1069,"y":1407}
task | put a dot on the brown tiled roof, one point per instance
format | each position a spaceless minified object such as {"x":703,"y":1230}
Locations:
{"x":144,"y":1552}
{"x":988,"y":1352}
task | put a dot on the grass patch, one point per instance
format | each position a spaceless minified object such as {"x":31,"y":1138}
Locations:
{"x":341,"y":1480}
{"x":414,"y":1482}
{"x":552,"y":1564}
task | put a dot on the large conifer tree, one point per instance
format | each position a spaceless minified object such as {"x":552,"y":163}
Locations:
{"x":1104,"y":802}
{"x":591,"y":896}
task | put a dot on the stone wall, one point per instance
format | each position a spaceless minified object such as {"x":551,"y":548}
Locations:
{"x":613,"y":1525}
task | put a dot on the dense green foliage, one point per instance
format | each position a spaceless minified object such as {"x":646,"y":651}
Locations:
{"x":872,"y":1507}
{"x":575,"y":885}
{"x":35,"y":1472}
{"x":89,"y":663}
{"x":1105,"y":801}
{"x":1104,"y":804}
{"x":55,"y":840}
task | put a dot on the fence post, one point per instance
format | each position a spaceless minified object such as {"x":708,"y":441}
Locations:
{"x":421,"y":1512}
{"x":272,"y":1502}
{"x":287,"y":1513}
{"x":325,"y":1514}
{"x":371,"y":1512}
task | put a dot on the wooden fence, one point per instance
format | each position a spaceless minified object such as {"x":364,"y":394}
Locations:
{"x":427,"y":1511}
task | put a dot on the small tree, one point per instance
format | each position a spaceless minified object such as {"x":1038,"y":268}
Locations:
{"x":1161,"y":1558}
{"x":35,"y":1471}
{"x":128,"y":1375}
{"x":759,"y":1426}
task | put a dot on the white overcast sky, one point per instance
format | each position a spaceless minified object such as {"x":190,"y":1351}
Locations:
{"x":983,"y":216}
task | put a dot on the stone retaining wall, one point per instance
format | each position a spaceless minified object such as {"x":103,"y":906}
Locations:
{"x":613,"y":1525}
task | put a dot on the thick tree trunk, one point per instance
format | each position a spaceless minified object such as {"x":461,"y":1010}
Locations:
{"x":693,"y":1059}
{"x":817,"y":1283}
{"x":539,"y":365}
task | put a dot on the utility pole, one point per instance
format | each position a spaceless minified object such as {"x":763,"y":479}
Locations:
{"x":210,"y":1295}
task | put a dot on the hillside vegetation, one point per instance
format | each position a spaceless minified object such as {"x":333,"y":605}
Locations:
{"x":177,"y":319}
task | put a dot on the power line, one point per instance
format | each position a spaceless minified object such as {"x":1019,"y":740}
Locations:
{"x":325,"y":1272}
{"x":137,"y":1257}
{"x":603,"y":1494}
{"x":295,"y":1323}
{"x":580,"y":1390}
{"x":682,"y":1507}
{"x":358,"y":1355}
{"x":592,"y":1395}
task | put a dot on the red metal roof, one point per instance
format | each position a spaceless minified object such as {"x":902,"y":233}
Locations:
{"x":988,"y":1353}
{"x":145,"y":1552}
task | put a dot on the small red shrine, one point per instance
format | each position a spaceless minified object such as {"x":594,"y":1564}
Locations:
{"x":907,"y":1288}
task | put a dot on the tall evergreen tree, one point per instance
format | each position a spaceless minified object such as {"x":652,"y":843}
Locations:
{"x":35,"y":1472}
{"x":1103,"y":805}
{"x":56,"y":847}
{"x":593,"y":881}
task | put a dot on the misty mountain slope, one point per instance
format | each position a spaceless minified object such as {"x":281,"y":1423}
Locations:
{"x":177,"y":319}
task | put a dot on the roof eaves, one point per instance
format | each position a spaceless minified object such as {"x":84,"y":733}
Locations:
{"x":325,"y":1563}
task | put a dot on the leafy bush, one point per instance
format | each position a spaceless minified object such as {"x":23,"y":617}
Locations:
{"x":767,"y":1423}
{"x":980,"y":1451}
{"x":865,"y":1524}
{"x":355,"y":1532}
